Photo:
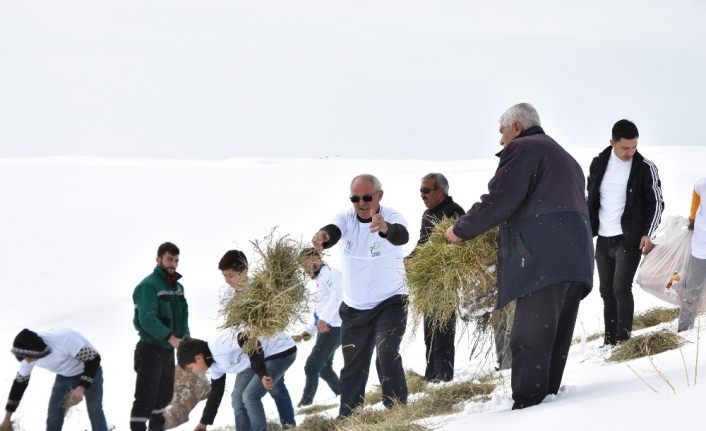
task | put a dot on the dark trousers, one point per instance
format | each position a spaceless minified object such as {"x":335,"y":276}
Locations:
{"x":440,"y":349}
{"x":320,"y":364}
{"x":616,"y":267}
{"x":541,"y":336}
{"x":154,"y":386}
{"x":362,"y":331}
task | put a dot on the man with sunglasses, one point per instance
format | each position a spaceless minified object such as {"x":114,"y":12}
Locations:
{"x":373,"y":313}
{"x":545,"y":256}
{"x":438,"y":339}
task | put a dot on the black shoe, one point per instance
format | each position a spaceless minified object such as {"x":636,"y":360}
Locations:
{"x":304,"y":403}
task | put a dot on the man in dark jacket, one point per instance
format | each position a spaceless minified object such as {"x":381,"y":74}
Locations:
{"x":545,"y":252}
{"x":161,"y":320}
{"x":625,"y":206}
{"x":439,"y":339}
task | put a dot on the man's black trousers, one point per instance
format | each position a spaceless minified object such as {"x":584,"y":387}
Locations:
{"x":154,"y":386}
{"x":541,"y":335}
{"x":363,"y":331}
{"x":440,"y":349}
{"x":616,"y":266}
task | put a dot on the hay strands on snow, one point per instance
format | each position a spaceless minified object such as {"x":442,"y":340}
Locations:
{"x":445,"y":279}
{"x":276,"y":294}
{"x":646,"y":345}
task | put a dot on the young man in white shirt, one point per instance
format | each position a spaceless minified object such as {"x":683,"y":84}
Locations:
{"x":78,"y":373}
{"x":326,"y":323}
{"x":374,"y":309}
{"x":625,"y":207}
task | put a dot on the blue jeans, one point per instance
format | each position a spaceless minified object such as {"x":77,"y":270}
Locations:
{"x":248,"y":393}
{"x":320,"y":364}
{"x":94,"y":402}
{"x":279,"y":394}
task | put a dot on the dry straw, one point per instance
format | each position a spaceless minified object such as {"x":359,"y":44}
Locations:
{"x":646,"y":345}
{"x":276,"y":295}
{"x":654,"y":316}
{"x":445,"y":279}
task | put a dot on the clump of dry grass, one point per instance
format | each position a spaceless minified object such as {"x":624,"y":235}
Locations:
{"x":438,"y":400}
{"x":320,"y":423}
{"x":8,"y":427}
{"x":654,"y":316}
{"x":276,"y":294}
{"x":646,"y":345}
{"x":446,"y":278}
{"x":316,"y":408}
{"x":415,"y":384}
{"x":398,"y":418}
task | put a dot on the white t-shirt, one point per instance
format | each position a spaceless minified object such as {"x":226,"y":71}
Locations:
{"x":64,"y":345}
{"x":373,"y":269}
{"x":698,"y":242}
{"x":228,"y":356}
{"x":327,"y":298}
{"x":613,"y":192}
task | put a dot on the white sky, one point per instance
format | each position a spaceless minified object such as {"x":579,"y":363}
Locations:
{"x":380,"y":79}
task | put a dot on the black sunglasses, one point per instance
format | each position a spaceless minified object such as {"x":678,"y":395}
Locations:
{"x":426,"y":190}
{"x":366,"y":198}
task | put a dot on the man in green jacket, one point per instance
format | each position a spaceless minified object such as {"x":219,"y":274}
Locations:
{"x":161,"y":320}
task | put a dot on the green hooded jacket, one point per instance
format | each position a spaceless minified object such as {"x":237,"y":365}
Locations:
{"x":160,"y":309}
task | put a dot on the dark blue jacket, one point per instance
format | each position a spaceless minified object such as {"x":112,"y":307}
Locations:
{"x":537,"y":199}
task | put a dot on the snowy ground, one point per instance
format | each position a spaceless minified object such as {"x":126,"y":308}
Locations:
{"x":79,"y":233}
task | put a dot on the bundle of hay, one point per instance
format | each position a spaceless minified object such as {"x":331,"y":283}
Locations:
{"x":445,"y":279}
{"x":646,"y":345}
{"x":276,"y":295}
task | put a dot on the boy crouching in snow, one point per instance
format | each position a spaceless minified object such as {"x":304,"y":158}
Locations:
{"x":78,"y":373}
{"x":257,"y":374}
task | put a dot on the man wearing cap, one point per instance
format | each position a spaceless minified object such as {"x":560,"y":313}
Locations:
{"x":161,"y":320}
{"x":374,"y":309}
{"x":78,"y":374}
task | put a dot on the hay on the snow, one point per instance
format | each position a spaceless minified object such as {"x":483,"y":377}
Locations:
{"x":276,"y":294}
{"x":654,"y":316}
{"x":646,"y":345}
{"x":445,"y":279}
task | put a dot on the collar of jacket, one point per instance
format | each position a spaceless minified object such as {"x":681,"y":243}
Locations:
{"x":443,"y":203}
{"x":605,"y":154}
{"x":534,"y":130}
{"x":161,"y":273}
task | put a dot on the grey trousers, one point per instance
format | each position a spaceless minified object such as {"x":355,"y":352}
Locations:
{"x":692,"y":290}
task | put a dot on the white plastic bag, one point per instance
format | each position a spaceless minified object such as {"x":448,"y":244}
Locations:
{"x":663,"y":270}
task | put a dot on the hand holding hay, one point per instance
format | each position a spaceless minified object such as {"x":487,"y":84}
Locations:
{"x":446,"y":278}
{"x":276,"y":294}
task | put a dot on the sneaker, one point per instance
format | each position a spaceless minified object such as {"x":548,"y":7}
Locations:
{"x":304,"y":403}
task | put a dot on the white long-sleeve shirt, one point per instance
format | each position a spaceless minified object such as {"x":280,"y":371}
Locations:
{"x":327,"y":298}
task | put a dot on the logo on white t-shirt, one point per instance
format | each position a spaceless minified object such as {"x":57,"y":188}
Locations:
{"x":375,"y":249}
